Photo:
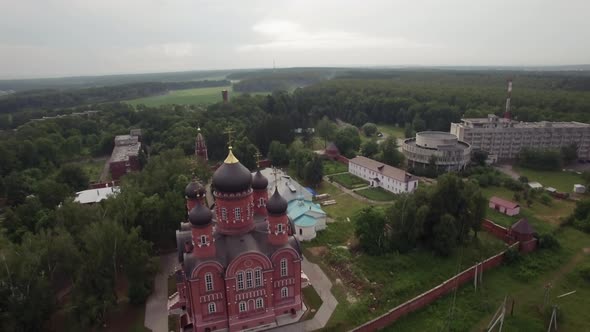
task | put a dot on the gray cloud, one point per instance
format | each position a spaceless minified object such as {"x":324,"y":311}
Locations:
{"x":76,"y":37}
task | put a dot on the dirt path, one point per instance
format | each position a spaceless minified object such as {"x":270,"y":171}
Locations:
{"x":508,"y":170}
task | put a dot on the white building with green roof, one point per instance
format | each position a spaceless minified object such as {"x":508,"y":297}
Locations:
{"x":307,"y":218}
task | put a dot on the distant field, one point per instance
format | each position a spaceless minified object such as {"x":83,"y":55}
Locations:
{"x":562,"y":181}
{"x":198,"y":96}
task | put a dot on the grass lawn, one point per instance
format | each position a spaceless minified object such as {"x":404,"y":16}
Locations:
{"x":562,"y":181}
{"x":524,"y":282}
{"x":197,"y":96}
{"x":346,"y":205}
{"x":172,"y":285}
{"x":333,"y":167}
{"x":349,"y":181}
{"x":395,"y":131}
{"x":386,"y":281}
{"x":544,"y":218}
{"x":376,"y":194}
{"x":312,"y":300}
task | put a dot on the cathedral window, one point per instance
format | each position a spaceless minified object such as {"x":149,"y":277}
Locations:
{"x":284,"y":292}
{"x":212,"y":308}
{"x":261,"y":202}
{"x":238,"y":213}
{"x":223,"y":213}
{"x":243,"y":306}
{"x":259,"y":303}
{"x":249,"y":279}
{"x":240,"y":278}
{"x":258,"y":277}
{"x":208,"y":282}
{"x":280,"y":228}
{"x":283,"y":267}
{"x":203,"y":240}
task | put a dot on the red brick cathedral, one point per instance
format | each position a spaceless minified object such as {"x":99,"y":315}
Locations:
{"x":241,"y":267}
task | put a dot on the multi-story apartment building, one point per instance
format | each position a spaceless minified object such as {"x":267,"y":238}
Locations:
{"x":503,"y":138}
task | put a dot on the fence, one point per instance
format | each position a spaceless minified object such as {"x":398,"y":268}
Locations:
{"x":432,"y":295}
{"x":496,"y":230}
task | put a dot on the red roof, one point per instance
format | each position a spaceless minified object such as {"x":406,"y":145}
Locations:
{"x":523,"y":227}
{"x":504,"y":203}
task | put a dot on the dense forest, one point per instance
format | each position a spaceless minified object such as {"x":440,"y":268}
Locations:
{"x":41,"y":169}
{"x":47,"y":99}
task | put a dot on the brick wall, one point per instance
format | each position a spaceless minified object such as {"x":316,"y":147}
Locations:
{"x":341,"y":159}
{"x":430,"y":296}
{"x":496,"y":230}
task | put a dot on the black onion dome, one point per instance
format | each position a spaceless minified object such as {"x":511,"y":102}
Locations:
{"x":259,"y":181}
{"x":200,"y":215}
{"x":276,"y":204}
{"x":231,"y":176}
{"x":194,"y":189}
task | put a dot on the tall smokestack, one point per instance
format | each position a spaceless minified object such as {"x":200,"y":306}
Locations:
{"x":507,"y":111}
{"x":225,"y":96}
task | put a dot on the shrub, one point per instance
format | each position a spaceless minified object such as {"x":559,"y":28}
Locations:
{"x":545,"y":199}
{"x":584,"y":272}
{"x":512,"y":255}
{"x":548,"y":241}
{"x":513,"y":184}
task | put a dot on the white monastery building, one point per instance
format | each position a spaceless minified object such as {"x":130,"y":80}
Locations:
{"x":381,"y":175}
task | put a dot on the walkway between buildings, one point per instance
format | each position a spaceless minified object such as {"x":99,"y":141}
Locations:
{"x":156,"y":306}
{"x":322,"y":285}
{"x":353,"y":194}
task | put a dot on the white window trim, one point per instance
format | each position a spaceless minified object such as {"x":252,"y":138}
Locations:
{"x":212,"y":308}
{"x":284,"y":271}
{"x":223,"y":214}
{"x":238,"y":214}
{"x":284,"y":292}
{"x":259,"y":303}
{"x":209,"y":282}
{"x":249,"y":279}
{"x":240,"y":280}
{"x":258,"y":277}
{"x":242,"y":306}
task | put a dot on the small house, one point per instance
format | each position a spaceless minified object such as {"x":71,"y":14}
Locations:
{"x":504,"y":206}
{"x":535,"y":185}
{"x":522,"y":231}
{"x":579,"y":188}
{"x":332,"y":151}
{"x":307,"y":218}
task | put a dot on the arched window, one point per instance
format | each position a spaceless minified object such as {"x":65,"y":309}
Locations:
{"x":261,"y":202}
{"x":258,"y":277}
{"x":249,"y":279}
{"x":203,"y":239}
{"x":243,"y":306}
{"x":284,"y":292}
{"x":284,"y":267}
{"x":238,"y":214}
{"x":223,"y":214}
{"x":259,"y":303}
{"x":280,"y":228}
{"x":208,"y":282}
{"x":211,"y":307}
{"x":240,"y":280}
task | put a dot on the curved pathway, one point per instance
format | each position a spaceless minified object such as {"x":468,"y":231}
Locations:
{"x":156,"y":311}
{"x":352,"y":193}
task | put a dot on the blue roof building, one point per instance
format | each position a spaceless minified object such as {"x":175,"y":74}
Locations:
{"x":307,"y":217}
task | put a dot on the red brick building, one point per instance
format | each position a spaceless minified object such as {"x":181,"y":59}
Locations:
{"x":201,"y":146}
{"x":125,"y":156}
{"x":240,"y":265}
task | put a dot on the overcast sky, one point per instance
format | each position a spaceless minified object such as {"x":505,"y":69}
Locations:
{"x":41,"y":38}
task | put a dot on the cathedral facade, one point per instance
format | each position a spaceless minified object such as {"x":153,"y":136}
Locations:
{"x":240,"y":264}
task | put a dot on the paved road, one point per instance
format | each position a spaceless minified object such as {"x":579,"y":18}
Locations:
{"x":156,"y":311}
{"x":322,"y":285}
